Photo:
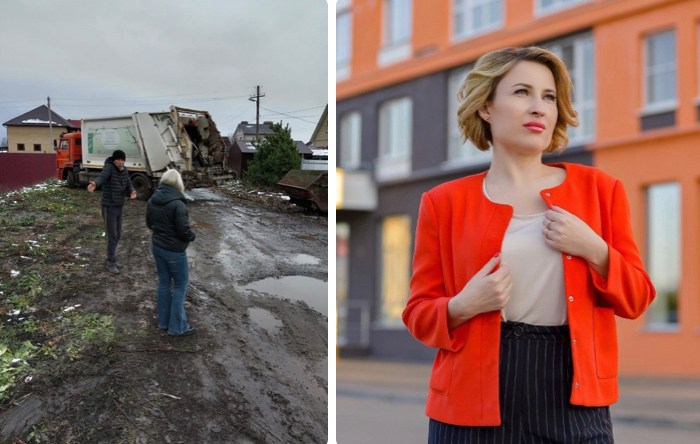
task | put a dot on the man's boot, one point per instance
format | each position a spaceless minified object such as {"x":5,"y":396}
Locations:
{"x":112,"y":267}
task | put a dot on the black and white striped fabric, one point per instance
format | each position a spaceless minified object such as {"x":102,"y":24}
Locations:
{"x":535,"y":387}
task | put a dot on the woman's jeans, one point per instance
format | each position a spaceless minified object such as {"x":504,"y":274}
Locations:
{"x":172,"y":267}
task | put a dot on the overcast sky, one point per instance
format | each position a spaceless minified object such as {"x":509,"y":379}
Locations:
{"x":109,"y":58}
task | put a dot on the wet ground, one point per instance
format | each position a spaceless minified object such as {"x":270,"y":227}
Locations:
{"x":255,"y":371}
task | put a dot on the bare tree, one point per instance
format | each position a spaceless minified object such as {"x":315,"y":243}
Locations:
{"x":4,"y":141}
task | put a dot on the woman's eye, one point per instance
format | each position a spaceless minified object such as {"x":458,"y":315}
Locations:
{"x":520,"y":91}
{"x":551,"y":97}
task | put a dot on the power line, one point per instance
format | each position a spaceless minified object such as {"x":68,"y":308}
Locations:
{"x":285,"y":114}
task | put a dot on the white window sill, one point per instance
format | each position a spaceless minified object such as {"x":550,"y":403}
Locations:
{"x":386,"y":169}
{"x":658,"y":108}
{"x":342,"y":73}
{"x":389,"y":55}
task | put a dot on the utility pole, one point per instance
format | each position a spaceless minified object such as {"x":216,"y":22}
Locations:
{"x":50,"y":125}
{"x":256,"y":99}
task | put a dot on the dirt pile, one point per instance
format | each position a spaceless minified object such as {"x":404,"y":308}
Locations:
{"x":255,"y":371}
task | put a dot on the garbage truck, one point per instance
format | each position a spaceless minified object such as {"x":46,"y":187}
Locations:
{"x":154,"y":142}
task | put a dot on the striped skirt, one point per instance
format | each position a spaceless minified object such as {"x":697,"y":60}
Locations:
{"x":536,"y":371}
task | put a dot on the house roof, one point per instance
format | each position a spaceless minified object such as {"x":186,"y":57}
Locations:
{"x":245,"y":146}
{"x":75,"y":123}
{"x":249,"y":128}
{"x":302,"y":148}
{"x":324,"y":117}
{"x":37,"y":117}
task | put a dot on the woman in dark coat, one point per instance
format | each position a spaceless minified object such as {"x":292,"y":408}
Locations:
{"x":167,"y":218}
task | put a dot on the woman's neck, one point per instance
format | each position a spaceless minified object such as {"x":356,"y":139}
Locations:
{"x":516,"y":170}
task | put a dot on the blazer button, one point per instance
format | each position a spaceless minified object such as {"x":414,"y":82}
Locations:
{"x":547,"y":194}
{"x":568,"y":257}
{"x":571,"y":299}
{"x":574,"y":341}
{"x":576,"y":385}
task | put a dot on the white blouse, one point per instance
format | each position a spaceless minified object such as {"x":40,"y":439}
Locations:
{"x":537,"y":272}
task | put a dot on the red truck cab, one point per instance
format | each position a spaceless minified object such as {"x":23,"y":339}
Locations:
{"x":69,"y":154}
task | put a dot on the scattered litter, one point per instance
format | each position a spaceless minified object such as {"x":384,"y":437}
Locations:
{"x":103,"y":235}
{"x":285,"y":197}
{"x":25,"y":257}
{"x":171,"y":396}
{"x":16,"y":360}
{"x":28,"y":379}
{"x":14,"y":273}
{"x":20,"y":319}
{"x":69,"y":309}
{"x":15,"y":313}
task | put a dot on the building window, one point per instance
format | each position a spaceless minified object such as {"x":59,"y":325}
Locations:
{"x":459,"y":153}
{"x":20,"y":147}
{"x":548,"y":6}
{"x":396,"y":268}
{"x":577,"y":54}
{"x":663,"y":253}
{"x":342,"y":276}
{"x":343,"y":43}
{"x":660,"y":93}
{"x":350,"y":141}
{"x":474,"y":17}
{"x":395,"y":139}
{"x":37,"y":147}
{"x":397,"y":16}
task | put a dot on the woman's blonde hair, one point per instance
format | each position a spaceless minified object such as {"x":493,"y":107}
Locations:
{"x":480,"y":87}
{"x":172,"y":178}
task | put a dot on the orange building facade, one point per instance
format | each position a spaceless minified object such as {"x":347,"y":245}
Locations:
{"x":636,"y":71}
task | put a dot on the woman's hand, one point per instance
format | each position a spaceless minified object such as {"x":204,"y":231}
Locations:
{"x":91,"y":187}
{"x":566,"y":232}
{"x":485,"y":291}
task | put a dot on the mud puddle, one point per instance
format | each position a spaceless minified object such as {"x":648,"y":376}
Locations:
{"x":297,"y":288}
{"x":265,"y":319}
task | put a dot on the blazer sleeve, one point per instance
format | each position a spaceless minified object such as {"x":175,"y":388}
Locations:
{"x":628,"y":288}
{"x":425,"y":314}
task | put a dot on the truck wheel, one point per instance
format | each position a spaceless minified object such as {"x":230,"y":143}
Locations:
{"x":142,"y":186}
{"x":70,"y":179}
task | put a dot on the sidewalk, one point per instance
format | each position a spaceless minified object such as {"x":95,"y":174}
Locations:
{"x":656,"y":402}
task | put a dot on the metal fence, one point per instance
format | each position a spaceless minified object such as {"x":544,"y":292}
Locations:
{"x":18,"y":170}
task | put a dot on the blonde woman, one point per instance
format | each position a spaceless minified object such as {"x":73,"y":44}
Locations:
{"x":167,"y":217}
{"x":519,"y":272}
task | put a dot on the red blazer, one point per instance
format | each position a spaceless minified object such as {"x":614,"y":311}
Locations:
{"x":458,"y":231}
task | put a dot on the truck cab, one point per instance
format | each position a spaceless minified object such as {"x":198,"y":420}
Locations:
{"x":69,"y":156}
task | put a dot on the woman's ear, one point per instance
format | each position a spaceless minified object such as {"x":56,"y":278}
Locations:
{"x":484,"y":112}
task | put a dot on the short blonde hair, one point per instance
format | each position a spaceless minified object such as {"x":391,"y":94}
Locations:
{"x":172,"y":178}
{"x":480,"y":87}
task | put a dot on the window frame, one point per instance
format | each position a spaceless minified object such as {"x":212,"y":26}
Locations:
{"x":37,"y":145}
{"x":667,"y":105}
{"x":353,"y":161}
{"x":394,"y":165}
{"x":394,"y":51}
{"x":381,"y":320}
{"x":469,"y":32}
{"x":20,"y":147}
{"x":655,"y":326}
{"x":342,"y":71}
{"x":578,"y":43}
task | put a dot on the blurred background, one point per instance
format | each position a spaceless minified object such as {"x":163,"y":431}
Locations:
{"x":635,"y":65}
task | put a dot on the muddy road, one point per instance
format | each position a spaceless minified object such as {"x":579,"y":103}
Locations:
{"x":255,"y":371}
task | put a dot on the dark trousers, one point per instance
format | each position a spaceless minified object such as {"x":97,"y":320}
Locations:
{"x":113,"y":229}
{"x":535,"y":376}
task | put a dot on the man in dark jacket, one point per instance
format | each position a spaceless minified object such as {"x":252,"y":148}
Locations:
{"x":116,"y":185}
